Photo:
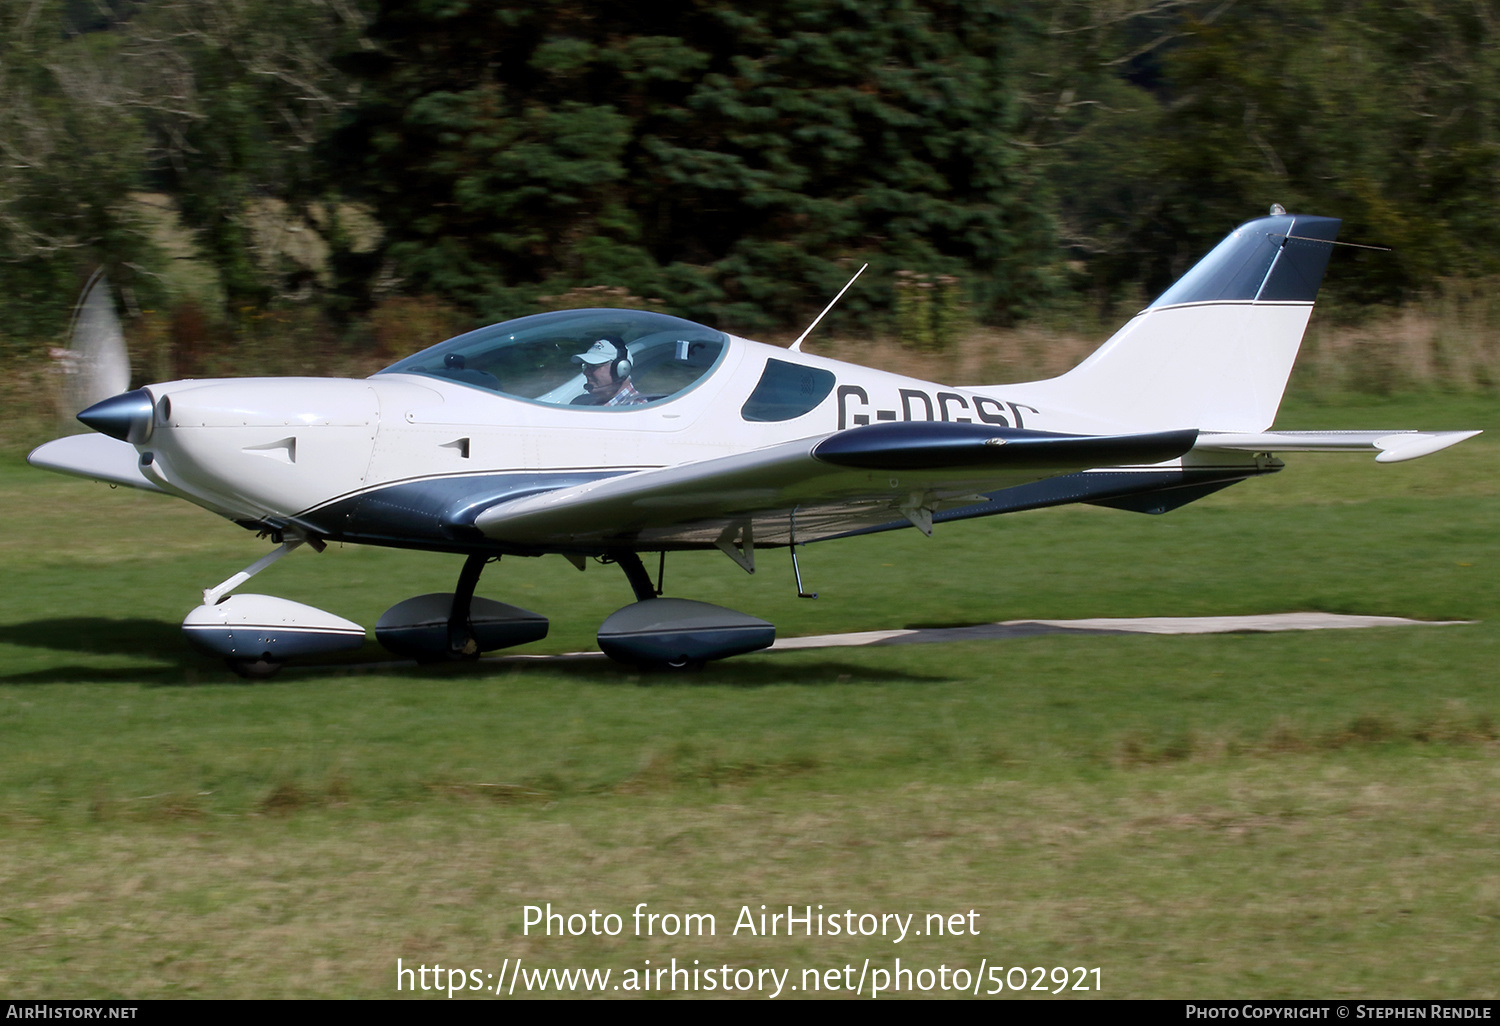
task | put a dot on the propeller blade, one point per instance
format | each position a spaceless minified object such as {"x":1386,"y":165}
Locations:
{"x":96,"y":365}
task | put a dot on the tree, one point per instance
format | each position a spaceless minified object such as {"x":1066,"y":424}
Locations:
{"x":73,"y":149}
{"x":733,"y":161}
{"x":220,"y":105}
{"x":238,"y":95}
{"x":1211,"y":111}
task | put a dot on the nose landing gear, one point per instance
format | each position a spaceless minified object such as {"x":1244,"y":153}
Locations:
{"x":256,"y":634}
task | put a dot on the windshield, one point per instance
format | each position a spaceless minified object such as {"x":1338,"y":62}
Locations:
{"x":607,"y":359}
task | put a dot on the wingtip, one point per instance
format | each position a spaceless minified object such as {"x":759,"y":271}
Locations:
{"x":1398,"y":448}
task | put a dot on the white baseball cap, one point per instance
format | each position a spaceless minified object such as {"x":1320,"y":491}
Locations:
{"x":602,"y":351}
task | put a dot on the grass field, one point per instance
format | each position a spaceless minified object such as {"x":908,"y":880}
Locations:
{"x":1289,"y":815}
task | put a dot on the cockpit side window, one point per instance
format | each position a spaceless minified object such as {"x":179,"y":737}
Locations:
{"x":786,"y":391}
{"x":547,"y":358}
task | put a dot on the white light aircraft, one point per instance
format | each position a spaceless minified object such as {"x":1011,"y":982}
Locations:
{"x":610,"y":434}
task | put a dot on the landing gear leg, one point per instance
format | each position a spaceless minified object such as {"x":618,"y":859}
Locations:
{"x":635,"y":573}
{"x":461,"y":641}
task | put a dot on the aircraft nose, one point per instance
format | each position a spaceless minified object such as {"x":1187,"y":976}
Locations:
{"x":126,"y":416}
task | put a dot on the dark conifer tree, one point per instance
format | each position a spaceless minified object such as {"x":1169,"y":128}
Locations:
{"x":737,"y":161}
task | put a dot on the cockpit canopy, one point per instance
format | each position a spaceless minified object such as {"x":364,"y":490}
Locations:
{"x":532,"y":357}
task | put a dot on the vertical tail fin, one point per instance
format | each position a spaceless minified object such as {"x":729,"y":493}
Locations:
{"x":1215,"y":350}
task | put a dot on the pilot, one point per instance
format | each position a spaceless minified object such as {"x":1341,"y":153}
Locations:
{"x":606,"y":368}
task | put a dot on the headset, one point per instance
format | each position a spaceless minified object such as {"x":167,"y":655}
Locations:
{"x":620,"y":366}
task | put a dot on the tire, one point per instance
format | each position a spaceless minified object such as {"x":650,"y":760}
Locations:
{"x":683,"y":665}
{"x":255,"y":669}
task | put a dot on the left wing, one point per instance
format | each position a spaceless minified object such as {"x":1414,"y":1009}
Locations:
{"x":94,"y":456}
{"x":814,"y":488}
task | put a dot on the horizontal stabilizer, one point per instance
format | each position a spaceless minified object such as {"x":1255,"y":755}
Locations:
{"x":94,"y":456}
{"x":1393,"y":446}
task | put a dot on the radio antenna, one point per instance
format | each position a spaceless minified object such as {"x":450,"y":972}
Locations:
{"x":796,"y":346}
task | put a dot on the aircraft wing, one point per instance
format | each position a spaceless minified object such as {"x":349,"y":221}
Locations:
{"x":1393,"y":446}
{"x":814,"y":487}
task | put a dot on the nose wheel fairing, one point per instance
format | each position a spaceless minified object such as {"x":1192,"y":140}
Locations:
{"x":244,"y":629}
